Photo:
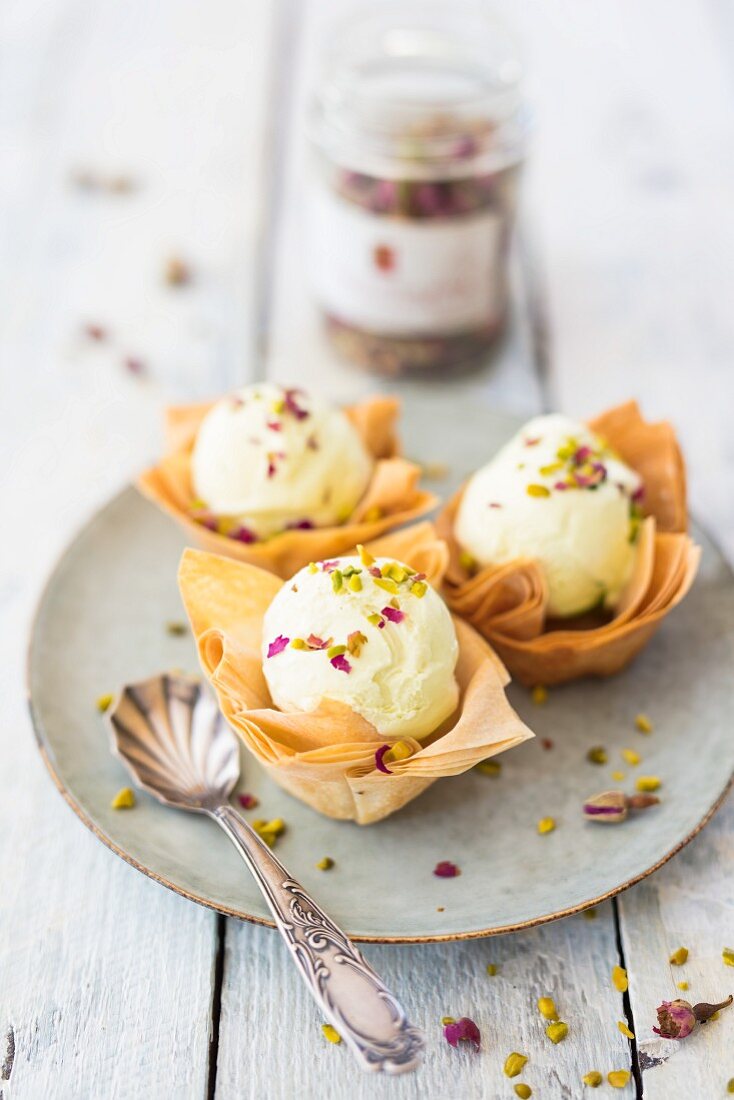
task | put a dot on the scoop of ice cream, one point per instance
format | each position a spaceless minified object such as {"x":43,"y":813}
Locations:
{"x":371,"y":634}
{"x":558,"y":494}
{"x":273,"y":458}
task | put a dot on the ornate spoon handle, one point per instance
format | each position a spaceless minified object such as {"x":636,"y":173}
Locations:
{"x":351,"y":996}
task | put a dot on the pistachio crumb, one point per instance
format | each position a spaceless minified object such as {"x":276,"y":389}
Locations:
{"x":593,"y":1079}
{"x":618,"y":1078}
{"x":620,"y":981}
{"x":491,"y":969}
{"x":331,"y":1033}
{"x":446,"y":1020}
{"x":631,"y":757}
{"x":625,"y":1030}
{"x":325,"y":864}
{"x":728,"y":956}
{"x":489,"y":767}
{"x":643,"y":723}
{"x":679,"y":956}
{"x":537,"y":491}
{"x":539,"y":695}
{"x":104,"y":702}
{"x":523,"y":1091}
{"x":617,"y":776}
{"x":647,"y":783}
{"x":682,"y":985}
{"x":514,"y":1064}
{"x":557,"y":1032}
{"x":547,"y":1008}
{"x":546,"y":825}
{"x":597,"y":755}
{"x":124,"y":799}
{"x":176,"y":629}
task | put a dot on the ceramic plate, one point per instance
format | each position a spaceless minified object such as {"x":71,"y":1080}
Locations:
{"x":102,"y":622}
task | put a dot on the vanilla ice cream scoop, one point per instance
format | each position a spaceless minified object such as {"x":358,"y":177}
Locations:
{"x":558,"y":494}
{"x":272,"y":458}
{"x":371,"y":634}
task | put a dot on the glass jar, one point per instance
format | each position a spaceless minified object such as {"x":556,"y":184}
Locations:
{"x":419,"y":129}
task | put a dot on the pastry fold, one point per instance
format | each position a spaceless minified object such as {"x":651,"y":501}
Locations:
{"x":393,"y":495}
{"x":507,"y":603}
{"x":327,"y":757}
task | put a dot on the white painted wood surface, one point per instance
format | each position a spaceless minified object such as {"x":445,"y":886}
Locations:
{"x":110,"y":984}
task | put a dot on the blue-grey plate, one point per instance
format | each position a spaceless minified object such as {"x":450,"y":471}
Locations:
{"x":102,"y":622}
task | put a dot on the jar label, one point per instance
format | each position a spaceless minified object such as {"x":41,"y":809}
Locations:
{"x":400,"y":276}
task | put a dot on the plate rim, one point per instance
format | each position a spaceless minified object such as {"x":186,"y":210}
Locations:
{"x":46,"y":752}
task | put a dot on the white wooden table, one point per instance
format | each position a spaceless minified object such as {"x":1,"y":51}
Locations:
{"x":109,"y":985}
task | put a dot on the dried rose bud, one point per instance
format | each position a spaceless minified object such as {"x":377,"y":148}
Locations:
{"x":611,"y":807}
{"x":176,"y":272}
{"x":677,"y":1019}
{"x":464,"y":1030}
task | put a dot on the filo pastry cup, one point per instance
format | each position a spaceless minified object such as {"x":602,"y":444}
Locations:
{"x":326,"y":757}
{"x":393,"y":496}
{"x":507,"y":603}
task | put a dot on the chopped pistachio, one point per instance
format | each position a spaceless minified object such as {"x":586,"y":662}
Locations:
{"x":539,"y":695}
{"x":523,"y":1091}
{"x":557,"y":1032}
{"x":620,"y":981}
{"x":625,"y":1030}
{"x":395,"y":572}
{"x":643,"y":723}
{"x":364,"y":555}
{"x":618,"y":1078}
{"x":355,"y":583}
{"x":401,"y":750}
{"x":491,"y":969}
{"x":446,"y":1020}
{"x":388,"y":584}
{"x":124,"y":799}
{"x":176,"y":629}
{"x":335,"y":651}
{"x":298,"y":643}
{"x":730,"y":1085}
{"x":537,"y":491}
{"x":617,"y":776}
{"x":104,"y":702}
{"x":597,"y":755}
{"x":593,"y":1079}
{"x":647,"y":783}
{"x":325,"y":864}
{"x":468,"y":562}
{"x":682,"y":985}
{"x":728,"y":956}
{"x":514,"y":1064}
{"x":679,"y":956}
{"x":313,"y":567}
{"x":488,"y":767}
{"x":546,"y":825}
{"x":631,"y":757}
{"x":331,"y":1033}
{"x":374,"y":619}
{"x":419,"y":589}
{"x":547,"y":1008}
{"x":337,"y":580}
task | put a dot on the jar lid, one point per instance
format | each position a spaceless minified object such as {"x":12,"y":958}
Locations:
{"x":422,"y":91}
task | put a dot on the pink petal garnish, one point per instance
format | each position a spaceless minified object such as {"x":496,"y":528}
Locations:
{"x":560,"y":485}
{"x":275,"y":426}
{"x":494,"y":504}
{"x":300,"y":525}
{"x":393,"y":614}
{"x":248,"y":801}
{"x":292,"y":405}
{"x":278,"y":645}
{"x":446,"y":869}
{"x":638,"y":495}
{"x":533,"y":442}
{"x":329,"y":566}
{"x":581,"y":455}
{"x":378,"y":760}
{"x":312,"y":443}
{"x":374,"y":571}
{"x":418,"y":577}
{"x":341,"y":664}
{"x":314,"y":642}
{"x":464,"y":1030}
{"x":244,"y":534}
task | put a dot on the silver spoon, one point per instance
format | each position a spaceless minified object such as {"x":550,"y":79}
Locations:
{"x":174,"y":742}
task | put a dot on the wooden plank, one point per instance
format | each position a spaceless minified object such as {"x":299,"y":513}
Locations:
{"x":629,"y":193}
{"x":265,"y":1012}
{"x":107,"y":981}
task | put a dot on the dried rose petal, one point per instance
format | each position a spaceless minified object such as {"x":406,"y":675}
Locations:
{"x":314,"y":642}
{"x":378,"y":760}
{"x":292,"y":405}
{"x":278,"y":645}
{"x":244,"y":534}
{"x":274,"y":425}
{"x":248,"y":801}
{"x":462,"y":1031}
{"x":446,"y":869}
{"x":341,"y":664}
{"x":393,"y":614}
{"x":300,"y":525}
{"x":329,"y":566}
{"x":374,"y":571}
